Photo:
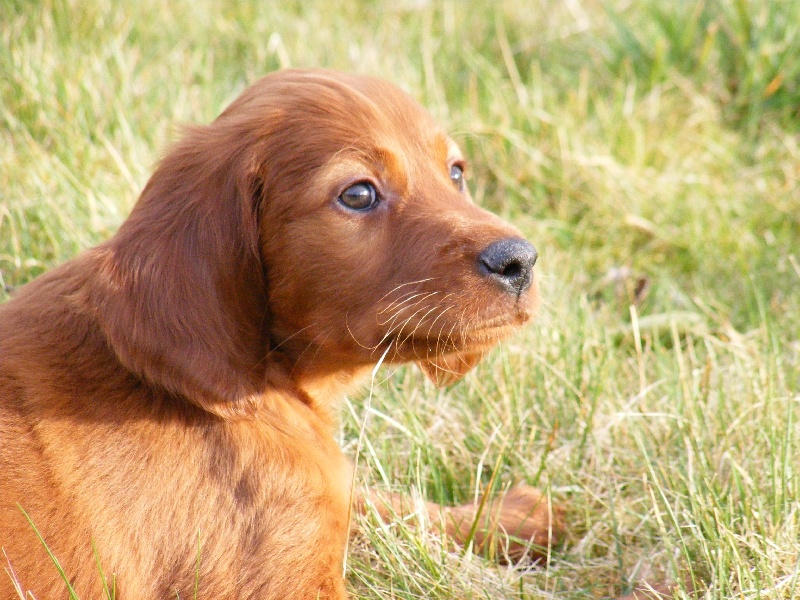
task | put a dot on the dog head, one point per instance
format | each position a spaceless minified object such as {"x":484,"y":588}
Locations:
{"x":320,"y":223}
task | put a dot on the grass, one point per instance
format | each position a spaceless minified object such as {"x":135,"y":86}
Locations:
{"x":649,"y":149}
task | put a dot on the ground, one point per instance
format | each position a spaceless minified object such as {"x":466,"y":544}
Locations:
{"x":650,"y":150}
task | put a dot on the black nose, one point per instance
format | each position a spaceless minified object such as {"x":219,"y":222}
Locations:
{"x":510,"y":263}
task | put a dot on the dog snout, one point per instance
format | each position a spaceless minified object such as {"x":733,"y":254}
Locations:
{"x":509,"y":262}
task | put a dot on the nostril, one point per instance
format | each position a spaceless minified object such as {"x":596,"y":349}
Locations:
{"x":511,"y":270}
{"x":510,"y":263}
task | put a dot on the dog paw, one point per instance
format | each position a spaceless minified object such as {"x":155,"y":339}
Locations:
{"x":521,"y":524}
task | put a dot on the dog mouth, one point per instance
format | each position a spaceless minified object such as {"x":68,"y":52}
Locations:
{"x":420,"y":344}
{"x":446,"y":350}
{"x":446,"y":364}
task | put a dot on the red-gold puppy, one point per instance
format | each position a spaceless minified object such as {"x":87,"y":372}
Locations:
{"x":178,"y":383}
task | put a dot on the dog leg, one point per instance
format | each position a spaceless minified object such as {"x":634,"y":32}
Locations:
{"x":517,"y":525}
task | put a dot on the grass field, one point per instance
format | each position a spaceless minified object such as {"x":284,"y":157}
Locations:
{"x":649,"y":149}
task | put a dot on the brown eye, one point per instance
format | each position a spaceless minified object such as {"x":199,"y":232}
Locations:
{"x":457,"y":176}
{"x":361,"y":196}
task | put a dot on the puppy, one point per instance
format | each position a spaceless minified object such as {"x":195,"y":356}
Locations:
{"x":167,"y":399}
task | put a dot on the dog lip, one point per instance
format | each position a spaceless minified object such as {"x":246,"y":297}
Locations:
{"x":480,"y":336}
{"x":489,"y":334}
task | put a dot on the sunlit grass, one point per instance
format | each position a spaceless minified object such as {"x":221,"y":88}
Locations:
{"x":650,"y":150}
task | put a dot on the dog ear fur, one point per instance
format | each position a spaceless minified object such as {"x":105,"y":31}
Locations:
{"x":180,"y":290}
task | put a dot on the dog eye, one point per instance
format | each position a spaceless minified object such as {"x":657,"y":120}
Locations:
{"x":457,"y":176}
{"x":361,"y":196}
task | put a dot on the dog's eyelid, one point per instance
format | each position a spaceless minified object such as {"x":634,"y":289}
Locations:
{"x":456,"y":161}
{"x":460,"y":163}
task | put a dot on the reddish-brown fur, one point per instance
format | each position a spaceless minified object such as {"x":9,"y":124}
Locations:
{"x":177,"y":385}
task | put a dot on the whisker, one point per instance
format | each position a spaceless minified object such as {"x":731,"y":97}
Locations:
{"x":417,"y":326}
{"x":352,"y":335}
{"x":310,"y":343}
{"x":282,"y":342}
{"x":439,"y":335}
{"x":394,"y":289}
{"x":398,"y":304}
{"x":401,"y":298}
{"x":456,"y":322}
{"x":393,"y":328}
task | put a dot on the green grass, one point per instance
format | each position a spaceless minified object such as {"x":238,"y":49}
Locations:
{"x":640,"y":143}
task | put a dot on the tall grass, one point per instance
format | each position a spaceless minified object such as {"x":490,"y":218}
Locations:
{"x":649,"y":149}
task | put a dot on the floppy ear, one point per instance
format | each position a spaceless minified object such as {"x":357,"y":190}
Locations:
{"x":180,"y":290}
{"x":446,"y":370}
